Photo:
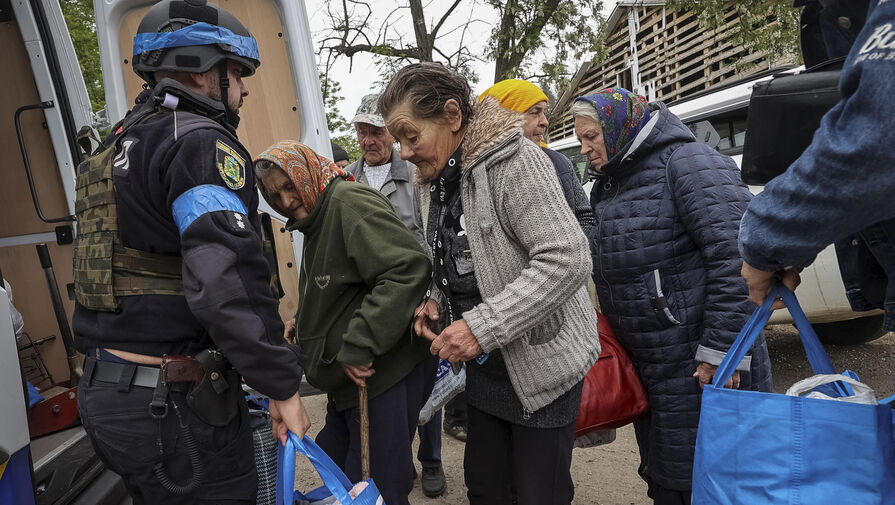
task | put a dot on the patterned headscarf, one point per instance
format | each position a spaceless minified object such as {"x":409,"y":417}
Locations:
{"x":308,"y":171}
{"x":622,"y":115}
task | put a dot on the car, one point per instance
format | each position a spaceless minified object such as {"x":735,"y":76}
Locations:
{"x":45,"y":455}
{"x":718,"y":116}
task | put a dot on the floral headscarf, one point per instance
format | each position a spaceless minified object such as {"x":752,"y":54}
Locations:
{"x":308,"y":171}
{"x":622,"y":115}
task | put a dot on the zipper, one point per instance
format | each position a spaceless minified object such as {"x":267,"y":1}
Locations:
{"x":660,"y":297}
{"x":606,"y":187}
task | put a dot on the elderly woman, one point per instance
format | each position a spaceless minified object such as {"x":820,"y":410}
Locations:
{"x":527,"y":99}
{"x":510,"y":267}
{"x":666,"y":268}
{"x":362,"y":274}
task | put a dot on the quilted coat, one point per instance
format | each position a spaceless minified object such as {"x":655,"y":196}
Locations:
{"x":667,"y":273}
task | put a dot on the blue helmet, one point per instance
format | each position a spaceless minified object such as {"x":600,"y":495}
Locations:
{"x":191,"y":36}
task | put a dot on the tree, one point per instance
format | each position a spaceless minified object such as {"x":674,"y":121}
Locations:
{"x":341,"y":131}
{"x":769,"y":26}
{"x":331,"y":91}
{"x":350,"y":144}
{"x":570,"y":28}
{"x":532,"y":39}
{"x":82,"y":28}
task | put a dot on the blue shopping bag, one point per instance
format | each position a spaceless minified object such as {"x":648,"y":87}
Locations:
{"x":335,"y":484}
{"x":770,"y":449}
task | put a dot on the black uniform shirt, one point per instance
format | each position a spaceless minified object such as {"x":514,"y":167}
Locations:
{"x":184,"y":186}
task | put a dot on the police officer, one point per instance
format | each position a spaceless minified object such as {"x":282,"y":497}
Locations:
{"x":169,"y":262}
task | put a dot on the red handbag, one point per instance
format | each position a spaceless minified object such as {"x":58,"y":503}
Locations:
{"x":613,"y":395}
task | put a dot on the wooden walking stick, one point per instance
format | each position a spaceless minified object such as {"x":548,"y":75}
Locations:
{"x":364,"y":432}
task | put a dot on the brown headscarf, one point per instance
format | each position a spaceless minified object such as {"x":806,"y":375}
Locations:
{"x":309,"y":172}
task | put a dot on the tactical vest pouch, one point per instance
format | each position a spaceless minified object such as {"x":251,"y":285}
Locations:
{"x":215,"y":400}
{"x":104,"y":270}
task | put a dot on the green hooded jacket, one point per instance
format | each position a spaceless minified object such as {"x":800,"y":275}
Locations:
{"x":362,"y":275}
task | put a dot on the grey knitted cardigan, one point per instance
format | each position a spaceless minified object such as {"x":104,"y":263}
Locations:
{"x":531,"y":259}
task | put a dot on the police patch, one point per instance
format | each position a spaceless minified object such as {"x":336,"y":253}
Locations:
{"x":231,"y":166}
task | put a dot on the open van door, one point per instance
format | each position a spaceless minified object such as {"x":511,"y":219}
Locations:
{"x":45,"y":456}
{"x":284,"y":102}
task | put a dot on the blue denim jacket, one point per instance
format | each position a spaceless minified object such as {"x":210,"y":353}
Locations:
{"x":842,"y":188}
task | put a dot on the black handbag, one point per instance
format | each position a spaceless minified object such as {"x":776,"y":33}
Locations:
{"x":784,"y":113}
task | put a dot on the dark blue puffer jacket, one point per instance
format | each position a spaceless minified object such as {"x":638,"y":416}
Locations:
{"x":571,"y":188}
{"x":667,"y":273}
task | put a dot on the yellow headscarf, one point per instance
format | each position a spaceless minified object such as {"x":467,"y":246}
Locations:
{"x":515,"y":94}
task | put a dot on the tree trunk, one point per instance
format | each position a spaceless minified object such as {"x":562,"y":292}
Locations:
{"x":514,"y":44}
{"x":505,"y":41}
{"x":423,"y":41}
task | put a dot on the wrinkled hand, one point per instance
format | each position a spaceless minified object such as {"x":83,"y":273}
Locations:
{"x":426,"y":315}
{"x":456,"y":343}
{"x":705,"y":372}
{"x":761,"y":282}
{"x":289,"y":333}
{"x":289,"y":415}
{"x":359,"y":373}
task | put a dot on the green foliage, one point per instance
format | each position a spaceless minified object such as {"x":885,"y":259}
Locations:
{"x":331,"y":91}
{"x":79,"y":18}
{"x":349,"y":143}
{"x":544,"y":40}
{"x":341,"y":131}
{"x":770,"y":26}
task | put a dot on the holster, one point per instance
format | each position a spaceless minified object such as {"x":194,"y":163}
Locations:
{"x":213,"y":395}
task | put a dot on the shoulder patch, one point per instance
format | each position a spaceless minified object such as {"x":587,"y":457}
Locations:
{"x":231,"y":166}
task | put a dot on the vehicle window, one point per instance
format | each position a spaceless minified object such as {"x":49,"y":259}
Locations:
{"x":722,"y":126}
{"x":731,"y":128}
{"x":579,"y":161}
{"x":738,"y":127}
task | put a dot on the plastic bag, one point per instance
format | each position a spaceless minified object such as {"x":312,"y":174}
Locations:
{"x":447,"y":386}
{"x":862,"y":392}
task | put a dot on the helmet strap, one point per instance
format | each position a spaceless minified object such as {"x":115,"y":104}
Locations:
{"x":230,"y":115}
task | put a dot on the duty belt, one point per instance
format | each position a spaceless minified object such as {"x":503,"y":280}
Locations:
{"x":178,"y":369}
{"x":122,"y":373}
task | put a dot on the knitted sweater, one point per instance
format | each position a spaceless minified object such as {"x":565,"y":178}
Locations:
{"x":531,"y":258}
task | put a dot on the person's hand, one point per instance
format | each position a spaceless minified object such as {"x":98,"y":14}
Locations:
{"x":706,"y":372}
{"x":289,"y":415}
{"x":761,"y":282}
{"x":289,"y":333}
{"x":456,"y":343}
{"x":426,"y":314}
{"x":359,"y":373}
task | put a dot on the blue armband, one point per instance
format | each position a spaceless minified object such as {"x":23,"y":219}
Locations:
{"x":202,"y":200}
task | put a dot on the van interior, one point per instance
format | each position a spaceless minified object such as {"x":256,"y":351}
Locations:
{"x":45,"y":104}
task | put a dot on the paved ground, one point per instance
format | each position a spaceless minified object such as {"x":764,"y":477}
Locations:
{"x":607,"y":475}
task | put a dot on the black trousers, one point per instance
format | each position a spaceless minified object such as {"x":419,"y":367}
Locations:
{"x":455,"y":411}
{"x":393,"y":420}
{"x":429,"y":451}
{"x":116,"y":418}
{"x":660,"y":495}
{"x":503,"y":459}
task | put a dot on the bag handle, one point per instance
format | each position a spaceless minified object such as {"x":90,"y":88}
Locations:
{"x":820,"y":361}
{"x":333,"y":477}
{"x":811,"y":383}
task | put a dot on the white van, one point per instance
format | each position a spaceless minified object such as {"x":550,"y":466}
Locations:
{"x":822,"y":293}
{"x":44,"y":104}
